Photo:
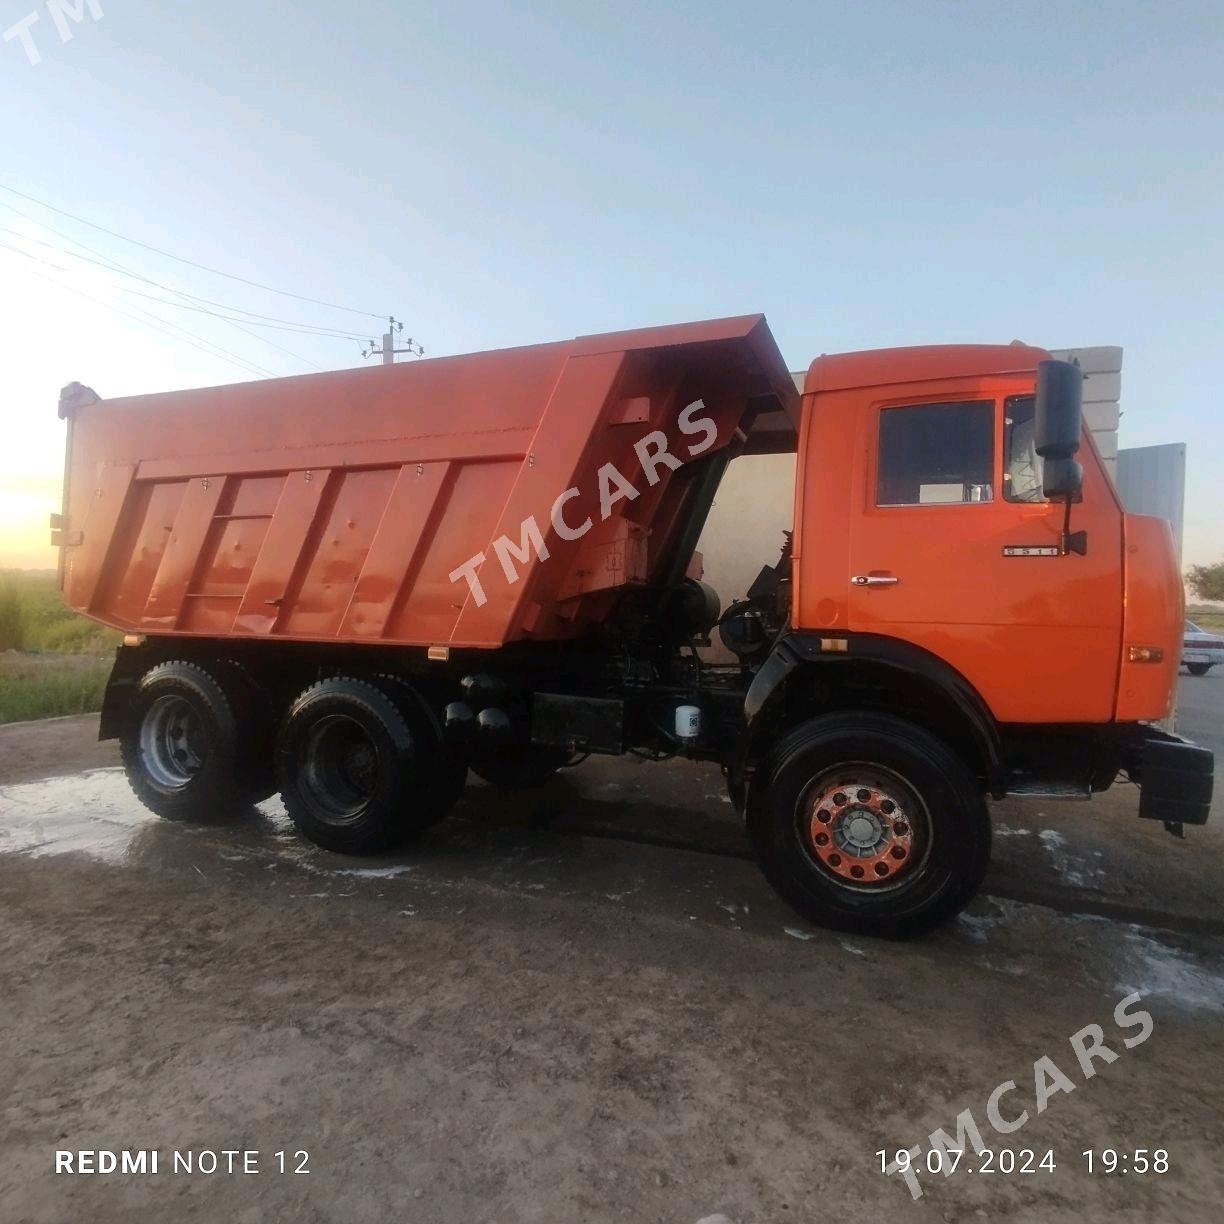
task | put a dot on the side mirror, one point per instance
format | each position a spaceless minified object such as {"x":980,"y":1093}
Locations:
{"x":1058,"y":414}
{"x":1057,"y":423}
{"x":1061,"y":479}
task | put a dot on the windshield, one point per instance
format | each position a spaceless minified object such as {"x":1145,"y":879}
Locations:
{"x":1191,"y":627}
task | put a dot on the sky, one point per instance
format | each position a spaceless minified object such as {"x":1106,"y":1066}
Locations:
{"x":867,"y":175}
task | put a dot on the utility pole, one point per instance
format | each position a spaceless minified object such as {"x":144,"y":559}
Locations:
{"x":388,"y":349}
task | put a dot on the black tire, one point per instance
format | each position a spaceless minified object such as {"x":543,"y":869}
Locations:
{"x":835,"y":778}
{"x":1199,"y":669}
{"x":444,"y":771}
{"x":520,"y":767}
{"x":351,"y":773}
{"x":182,"y":743}
{"x":256,"y":714}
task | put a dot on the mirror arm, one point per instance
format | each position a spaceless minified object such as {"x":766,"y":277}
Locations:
{"x":1071,"y":541}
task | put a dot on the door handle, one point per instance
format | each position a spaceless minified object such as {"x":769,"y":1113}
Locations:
{"x":868,"y":580}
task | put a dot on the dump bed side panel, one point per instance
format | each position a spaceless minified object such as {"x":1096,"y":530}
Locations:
{"x":337,"y":506}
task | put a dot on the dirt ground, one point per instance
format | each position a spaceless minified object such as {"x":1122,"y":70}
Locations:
{"x":582,"y":1005}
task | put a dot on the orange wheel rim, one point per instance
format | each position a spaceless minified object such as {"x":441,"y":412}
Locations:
{"x":863,"y":827}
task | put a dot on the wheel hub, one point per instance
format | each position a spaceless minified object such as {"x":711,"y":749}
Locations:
{"x":360,"y":763}
{"x":340,"y":767}
{"x":859,"y":828}
{"x":172,"y":743}
{"x":858,"y":832}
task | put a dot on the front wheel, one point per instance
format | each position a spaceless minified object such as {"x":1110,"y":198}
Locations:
{"x":1198,"y":669}
{"x":866,"y":823}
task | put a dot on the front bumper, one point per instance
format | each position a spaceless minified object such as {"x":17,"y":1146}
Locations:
{"x":1175,"y":778}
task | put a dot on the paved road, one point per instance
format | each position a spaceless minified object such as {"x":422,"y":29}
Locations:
{"x":1200,"y":717}
{"x":1200,"y":709}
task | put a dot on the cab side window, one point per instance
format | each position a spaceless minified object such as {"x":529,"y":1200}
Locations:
{"x":1021,"y":462}
{"x":936,"y":454}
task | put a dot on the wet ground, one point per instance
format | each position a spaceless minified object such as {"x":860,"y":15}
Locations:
{"x":585,"y":1005}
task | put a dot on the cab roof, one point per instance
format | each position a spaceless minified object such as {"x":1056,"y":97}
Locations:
{"x":882,"y":367}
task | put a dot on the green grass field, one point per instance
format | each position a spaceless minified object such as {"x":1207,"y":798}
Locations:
{"x":1205,"y":616}
{"x":46,"y":686}
{"x":52,"y":661}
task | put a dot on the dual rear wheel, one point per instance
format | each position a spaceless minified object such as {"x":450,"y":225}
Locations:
{"x":196,"y":741}
{"x":360,"y":766}
{"x":359,"y":762}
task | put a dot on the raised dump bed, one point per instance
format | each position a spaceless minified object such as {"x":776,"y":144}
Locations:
{"x":338,"y":506}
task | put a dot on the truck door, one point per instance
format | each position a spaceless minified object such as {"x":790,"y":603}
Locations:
{"x":955,"y":551}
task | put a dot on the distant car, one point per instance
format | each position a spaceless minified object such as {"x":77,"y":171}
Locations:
{"x":1201,"y":650}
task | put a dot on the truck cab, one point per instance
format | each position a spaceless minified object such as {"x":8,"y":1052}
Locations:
{"x":948,"y":542}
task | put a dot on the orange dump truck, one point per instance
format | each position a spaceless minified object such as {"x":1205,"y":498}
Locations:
{"x":354,"y":587}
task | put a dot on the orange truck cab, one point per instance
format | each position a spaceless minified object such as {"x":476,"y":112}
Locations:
{"x":355,"y":587}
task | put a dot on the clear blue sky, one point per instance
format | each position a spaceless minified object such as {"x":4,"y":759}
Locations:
{"x":868,"y":175}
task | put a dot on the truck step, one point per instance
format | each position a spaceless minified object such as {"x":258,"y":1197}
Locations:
{"x":1048,"y":788}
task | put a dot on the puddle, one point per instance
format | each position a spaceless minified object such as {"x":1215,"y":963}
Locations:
{"x":1013,"y":937}
{"x":92,"y":813}
{"x":371,"y":873}
{"x":1160,"y":971}
{"x":1072,"y":867}
{"x":1003,"y":914}
{"x":96,"y":814}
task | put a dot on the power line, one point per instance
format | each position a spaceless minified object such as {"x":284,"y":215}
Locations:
{"x":299,"y":331}
{"x":104,"y":261}
{"x":232,"y":322}
{"x":148,"y":314}
{"x":180,"y":259}
{"x":150,"y":296}
{"x":162,"y":325}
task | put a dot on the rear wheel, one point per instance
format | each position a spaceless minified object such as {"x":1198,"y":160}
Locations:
{"x":444,"y":771}
{"x":354,"y":768}
{"x":1199,"y":669}
{"x":256,"y":714}
{"x":867,"y":823}
{"x":181,"y":744}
